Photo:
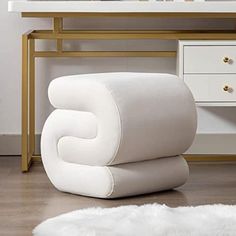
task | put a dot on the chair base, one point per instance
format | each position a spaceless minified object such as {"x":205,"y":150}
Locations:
{"x":124,"y":179}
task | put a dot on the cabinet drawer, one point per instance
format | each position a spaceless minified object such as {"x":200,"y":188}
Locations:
{"x":212,"y":88}
{"x":210,"y":59}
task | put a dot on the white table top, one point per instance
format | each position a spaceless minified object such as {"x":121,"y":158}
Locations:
{"x":121,"y":6}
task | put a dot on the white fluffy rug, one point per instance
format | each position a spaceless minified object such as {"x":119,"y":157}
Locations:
{"x":147,"y":220}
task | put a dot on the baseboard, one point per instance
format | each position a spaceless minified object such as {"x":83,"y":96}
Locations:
{"x":213,"y":144}
{"x":210,"y":145}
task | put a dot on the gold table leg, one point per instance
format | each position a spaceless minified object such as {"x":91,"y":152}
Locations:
{"x":31,"y":97}
{"x":28,"y":101}
{"x":25,"y":142}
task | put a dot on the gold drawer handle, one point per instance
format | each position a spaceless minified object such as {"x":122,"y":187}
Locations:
{"x":226,"y":88}
{"x":227,"y":60}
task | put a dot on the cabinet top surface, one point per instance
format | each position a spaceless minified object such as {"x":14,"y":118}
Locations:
{"x":121,"y":6}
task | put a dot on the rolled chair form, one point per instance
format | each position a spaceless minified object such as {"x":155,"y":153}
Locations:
{"x":118,"y":134}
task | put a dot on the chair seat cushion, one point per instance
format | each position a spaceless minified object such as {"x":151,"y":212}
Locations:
{"x":138,"y":116}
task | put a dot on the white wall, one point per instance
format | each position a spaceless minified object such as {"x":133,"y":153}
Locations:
{"x":211,"y":120}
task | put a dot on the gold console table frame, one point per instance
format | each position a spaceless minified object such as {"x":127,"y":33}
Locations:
{"x":29,"y":54}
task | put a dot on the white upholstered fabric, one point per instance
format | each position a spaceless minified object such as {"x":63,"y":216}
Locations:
{"x":140,"y":116}
{"x":118,"y":134}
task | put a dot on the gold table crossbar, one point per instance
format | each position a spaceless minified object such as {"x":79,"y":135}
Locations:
{"x":29,"y":54}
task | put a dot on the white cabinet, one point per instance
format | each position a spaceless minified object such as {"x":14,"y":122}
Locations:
{"x":209,"y":70}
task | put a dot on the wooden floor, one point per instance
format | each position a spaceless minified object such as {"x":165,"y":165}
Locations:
{"x":28,"y":199}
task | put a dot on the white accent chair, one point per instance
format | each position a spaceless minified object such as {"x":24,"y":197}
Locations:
{"x":118,"y":134}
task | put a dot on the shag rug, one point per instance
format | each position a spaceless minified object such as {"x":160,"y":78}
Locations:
{"x":146,"y":220}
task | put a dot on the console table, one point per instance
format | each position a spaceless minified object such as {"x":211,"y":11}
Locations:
{"x":57,"y":10}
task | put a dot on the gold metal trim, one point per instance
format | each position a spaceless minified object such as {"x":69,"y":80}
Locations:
{"x":210,"y":158}
{"x":31,"y":97}
{"x":141,"y":34}
{"x":58,"y":27}
{"x":24,"y":147}
{"x":106,"y":54}
{"x":36,"y":158}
